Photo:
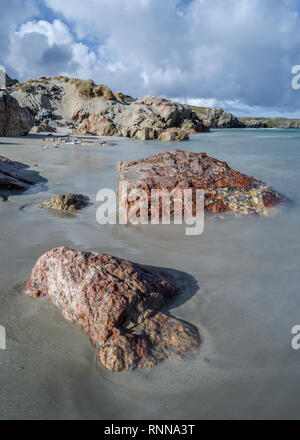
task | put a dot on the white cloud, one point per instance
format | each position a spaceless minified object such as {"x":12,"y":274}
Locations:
{"x":42,"y":48}
{"x":234,"y":52}
{"x":56,"y":32}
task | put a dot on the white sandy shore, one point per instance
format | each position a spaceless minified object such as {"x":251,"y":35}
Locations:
{"x":240,"y":284}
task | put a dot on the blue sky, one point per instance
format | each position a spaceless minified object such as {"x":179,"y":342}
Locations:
{"x":235,"y":54}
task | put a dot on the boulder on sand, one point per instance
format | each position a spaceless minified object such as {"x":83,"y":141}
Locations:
{"x":14,"y":119}
{"x":117,"y":304}
{"x":226,"y":190}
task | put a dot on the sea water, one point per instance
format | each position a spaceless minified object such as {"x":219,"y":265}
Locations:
{"x":240,"y":286}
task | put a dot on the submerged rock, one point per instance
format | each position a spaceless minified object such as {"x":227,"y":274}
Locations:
{"x":226,"y":190}
{"x":66,"y":202}
{"x":117,"y":304}
{"x":14,"y":119}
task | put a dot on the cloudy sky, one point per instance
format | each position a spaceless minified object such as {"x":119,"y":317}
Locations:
{"x":235,"y":54}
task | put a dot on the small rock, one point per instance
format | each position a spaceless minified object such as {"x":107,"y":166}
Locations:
{"x":66,"y":202}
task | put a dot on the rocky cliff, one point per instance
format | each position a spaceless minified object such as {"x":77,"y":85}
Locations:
{"x":218,"y":118}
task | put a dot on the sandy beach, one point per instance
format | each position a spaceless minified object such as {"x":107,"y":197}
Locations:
{"x":239,"y":285}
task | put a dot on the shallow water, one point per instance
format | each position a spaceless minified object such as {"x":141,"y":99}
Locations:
{"x":240,"y":283}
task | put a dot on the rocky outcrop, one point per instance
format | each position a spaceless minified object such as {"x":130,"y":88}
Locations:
{"x":144,"y":119}
{"x":98,"y":125}
{"x":289,"y":124}
{"x":218,"y":118}
{"x":273,"y":123}
{"x":69,"y":102}
{"x":226,"y":190}
{"x":14,"y":119}
{"x":12,"y":177}
{"x":173,"y":134}
{"x":117,"y":304}
{"x":61,"y":102}
{"x":66,"y":202}
{"x":253,"y":123}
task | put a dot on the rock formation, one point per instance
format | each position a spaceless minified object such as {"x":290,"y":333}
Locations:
{"x":66,"y":202}
{"x":253,"y":123}
{"x":11,"y":176}
{"x":117,"y":304}
{"x":173,"y":134}
{"x":225,"y":190}
{"x":92,"y":109}
{"x":14,"y":119}
{"x":218,"y":118}
{"x":145,"y":119}
{"x":89,"y":108}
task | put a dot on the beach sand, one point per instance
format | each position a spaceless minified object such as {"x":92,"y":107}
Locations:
{"x":240,"y":287}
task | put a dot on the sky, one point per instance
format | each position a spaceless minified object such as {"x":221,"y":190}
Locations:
{"x":232,"y":54}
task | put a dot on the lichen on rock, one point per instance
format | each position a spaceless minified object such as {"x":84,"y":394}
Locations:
{"x":226,"y":190}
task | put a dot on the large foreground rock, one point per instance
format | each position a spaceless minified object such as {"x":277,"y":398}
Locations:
{"x":117,"y":304}
{"x":14,"y":119}
{"x":226,"y":190}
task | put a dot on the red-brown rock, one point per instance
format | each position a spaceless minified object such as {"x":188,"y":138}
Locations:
{"x":226,"y":190}
{"x":117,"y":304}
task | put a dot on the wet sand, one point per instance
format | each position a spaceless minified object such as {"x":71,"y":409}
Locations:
{"x":240,"y":283}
